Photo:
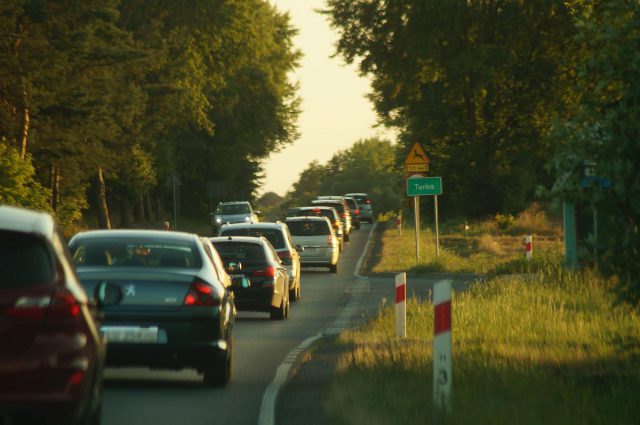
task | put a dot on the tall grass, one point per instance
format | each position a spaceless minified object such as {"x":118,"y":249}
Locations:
{"x":547,"y":349}
{"x":482,"y":249}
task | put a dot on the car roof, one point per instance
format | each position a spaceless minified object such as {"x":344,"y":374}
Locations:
{"x":26,"y":221}
{"x":233,"y":203}
{"x":115,"y":233}
{"x":356,"y":193}
{"x":309,"y":217}
{"x":246,"y":239}
{"x":268,"y":224}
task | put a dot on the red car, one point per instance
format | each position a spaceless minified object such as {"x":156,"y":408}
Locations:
{"x":51,"y":350}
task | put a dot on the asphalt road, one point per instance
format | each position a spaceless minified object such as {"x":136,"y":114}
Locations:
{"x":329,"y":302}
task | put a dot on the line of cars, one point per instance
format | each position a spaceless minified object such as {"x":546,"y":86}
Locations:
{"x":155,"y":298}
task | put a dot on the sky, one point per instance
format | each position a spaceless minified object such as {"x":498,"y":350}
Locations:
{"x":334,"y":112}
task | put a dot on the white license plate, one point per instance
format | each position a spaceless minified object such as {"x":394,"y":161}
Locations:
{"x":133,"y":334}
{"x":311,"y":250}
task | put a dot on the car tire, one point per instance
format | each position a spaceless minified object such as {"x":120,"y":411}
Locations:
{"x":333,"y":268}
{"x":346,"y":237}
{"x":279,"y":313}
{"x":219,"y":373}
{"x":294,"y":294}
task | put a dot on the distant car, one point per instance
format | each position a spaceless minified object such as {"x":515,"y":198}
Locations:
{"x":343,"y":209}
{"x":51,"y":352}
{"x":280,"y":237}
{"x":331,"y":213}
{"x":318,"y":241}
{"x":355,"y":211}
{"x":169,"y":308}
{"x":253,"y":260}
{"x":234,"y":212}
{"x":366,"y":207}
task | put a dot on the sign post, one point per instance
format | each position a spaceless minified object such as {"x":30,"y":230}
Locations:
{"x":416,"y":165}
{"x":442,"y":373}
{"x":401,"y":305}
{"x":420,"y":186}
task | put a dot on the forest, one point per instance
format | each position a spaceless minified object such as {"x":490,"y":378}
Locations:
{"x":112,"y":105}
{"x":122,"y":105}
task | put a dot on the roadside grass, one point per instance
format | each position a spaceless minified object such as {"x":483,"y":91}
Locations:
{"x":493,"y":246}
{"x":550,"y":348}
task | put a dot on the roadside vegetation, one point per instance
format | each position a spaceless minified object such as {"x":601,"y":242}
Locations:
{"x":493,"y":246}
{"x":551,"y":348}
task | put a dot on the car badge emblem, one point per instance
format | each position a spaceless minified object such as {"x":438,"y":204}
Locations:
{"x":130,"y":291}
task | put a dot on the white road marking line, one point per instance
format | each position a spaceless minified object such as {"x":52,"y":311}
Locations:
{"x":268,"y":405}
{"x":356,"y":272}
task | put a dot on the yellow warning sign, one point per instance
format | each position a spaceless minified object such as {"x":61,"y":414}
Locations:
{"x":417,"y":156}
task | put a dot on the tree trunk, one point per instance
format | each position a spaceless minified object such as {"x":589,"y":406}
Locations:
{"x":54,"y":187}
{"x":25,"y":127}
{"x":148,"y":208}
{"x":103,"y":211}
{"x":125,"y":212}
{"x":138,"y":210}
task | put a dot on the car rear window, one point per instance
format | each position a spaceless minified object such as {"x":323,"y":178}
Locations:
{"x":337,"y":205}
{"x":317,"y":212}
{"x":309,"y":228}
{"x":360,"y":198}
{"x":136,"y":253}
{"x":25,"y":260}
{"x":273,"y":235}
{"x":245,"y":252}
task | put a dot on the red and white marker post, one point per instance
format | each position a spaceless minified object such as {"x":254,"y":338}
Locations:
{"x":442,"y":375}
{"x":528,"y":247}
{"x":401,"y":305}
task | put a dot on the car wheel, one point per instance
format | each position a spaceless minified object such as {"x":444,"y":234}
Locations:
{"x":346,"y":237}
{"x":218,"y":374}
{"x":279,"y":313}
{"x":333,"y":268}
{"x":294,"y":294}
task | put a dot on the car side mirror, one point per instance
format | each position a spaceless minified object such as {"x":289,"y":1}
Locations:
{"x":107,"y":294}
{"x":240,"y":282}
{"x":300,"y":248}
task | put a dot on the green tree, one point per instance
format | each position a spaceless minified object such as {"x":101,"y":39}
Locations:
{"x":476,"y":82}
{"x":17,"y":181}
{"x":603,"y":133}
{"x":370,"y":166}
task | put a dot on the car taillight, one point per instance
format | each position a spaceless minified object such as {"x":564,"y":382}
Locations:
{"x":266,"y":272}
{"x":330,"y":240}
{"x":201,"y":295}
{"x":344,"y":215}
{"x":356,"y":212}
{"x":62,"y":305}
{"x":75,"y":381}
{"x":286,"y":257}
{"x":368,"y":201}
{"x":336,"y":225}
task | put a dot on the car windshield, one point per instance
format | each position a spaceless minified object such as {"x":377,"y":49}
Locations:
{"x":273,"y":235}
{"x":24,"y":260}
{"x":245,"y":252}
{"x":232,"y":209}
{"x":131,"y":252}
{"x":360,"y":198}
{"x":309,"y":228}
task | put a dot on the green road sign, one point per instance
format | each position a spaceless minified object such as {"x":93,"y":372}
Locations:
{"x":419,"y":186}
